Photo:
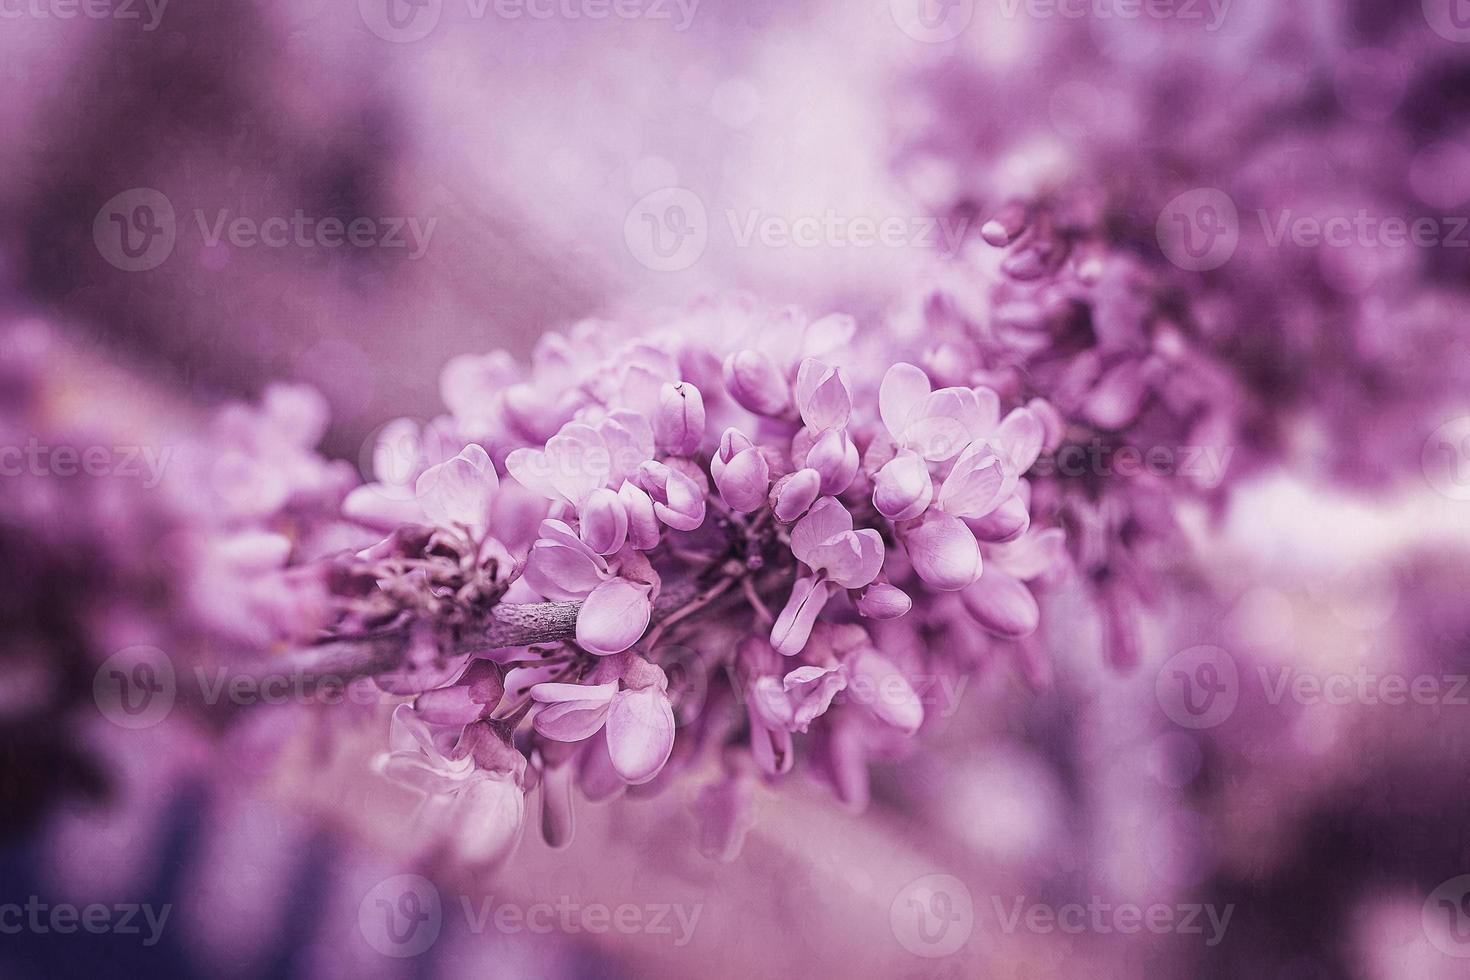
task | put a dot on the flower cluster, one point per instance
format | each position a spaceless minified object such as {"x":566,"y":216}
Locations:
{"x":733,"y":539}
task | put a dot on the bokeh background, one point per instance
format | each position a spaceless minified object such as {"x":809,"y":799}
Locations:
{"x":543,"y":163}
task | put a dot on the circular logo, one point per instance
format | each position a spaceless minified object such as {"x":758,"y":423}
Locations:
{"x":401,"y":916}
{"x":1446,"y":917}
{"x":1199,"y":229}
{"x":688,"y":677}
{"x":1198,"y":687}
{"x":667,"y":230}
{"x":932,"y":21}
{"x":135,"y":230}
{"x":401,"y":21}
{"x":1446,"y":459}
{"x":932,"y":916}
{"x":1450,"y":19}
{"x":135,"y":687}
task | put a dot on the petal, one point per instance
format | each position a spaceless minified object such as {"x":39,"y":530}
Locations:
{"x":770,"y":747}
{"x":794,"y":493}
{"x":822,"y":396}
{"x":794,"y":626}
{"x":1020,"y":436}
{"x":975,"y":487}
{"x":571,"y":712}
{"x":532,"y":470}
{"x":685,"y":508}
{"x":1006,"y":523}
{"x":678,"y":425}
{"x":936,"y":437}
{"x":557,"y":811}
{"x":835,"y":459}
{"x":943,"y":552}
{"x":640,"y":733}
{"x":382,"y":507}
{"x":753,"y":380}
{"x":562,"y":571}
{"x":459,"y":491}
{"x":629,"y":441}
{"x":485,"y":824}
{"x":744,"y":481}
{"x":613,"y":617}
{"x":903,"y":390}
{"x":826,"y":520}
{"x":885,"y":690}
{"x":1034,"y":555}
{"x":643,"y":529}
{"x":903,"y":489}
{"x":604,"y":521}
{"x":883,"y":601}
{"x":1002,"y":604}
{"x":579,"y":461}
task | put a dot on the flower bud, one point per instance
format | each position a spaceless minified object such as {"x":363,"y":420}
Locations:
{"x":643,"y":530}
{"x":756,"y":384}
{"x":894,"y":700}
{"x":794,"y":626}
{"x":883,"y":601}
{"x":678,"y":425}
{"x":1002,"y":604}
{"x":943,"y":552}
{"x":604,"y":521}
{"x":677,"y":500}
{"x":903,"y":489}
{"x":614,"y":616}
{"x":794,"y":493}
{"x":835,"y":459}
{"x":1006,"y":523}
{"x":742,"y":477}
{"x":822,"y":396}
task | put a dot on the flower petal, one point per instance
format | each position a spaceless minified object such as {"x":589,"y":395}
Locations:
{"x":613,"y":617}
{"x":640,"y":733}
{"x":794,"y":626}
{"x":943,"y":552}
{"x":903,"y":390}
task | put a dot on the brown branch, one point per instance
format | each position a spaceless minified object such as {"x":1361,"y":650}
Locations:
{"x":515,"y":624}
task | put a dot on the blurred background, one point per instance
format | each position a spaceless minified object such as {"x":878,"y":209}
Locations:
{"x":205,"y":196}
